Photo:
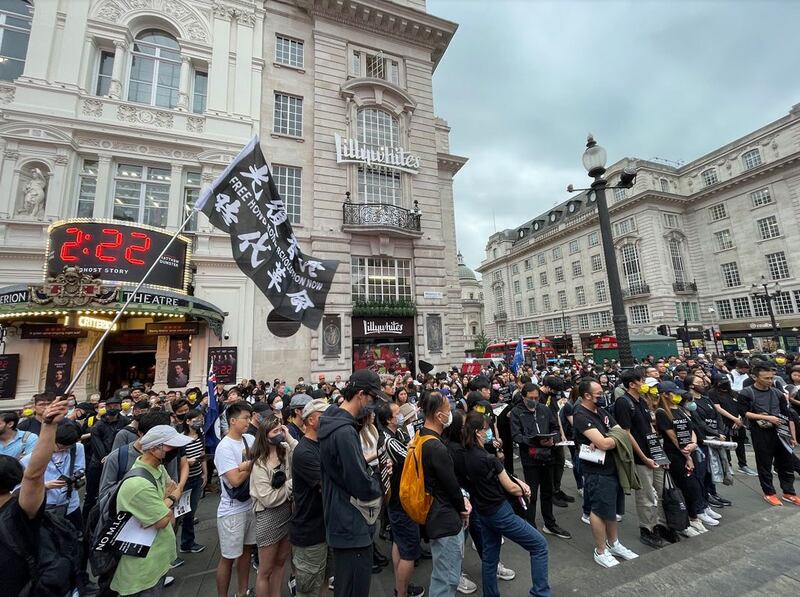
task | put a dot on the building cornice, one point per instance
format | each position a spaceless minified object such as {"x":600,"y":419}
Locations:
{"x":388,"y":19}
{"x":450,"y":162}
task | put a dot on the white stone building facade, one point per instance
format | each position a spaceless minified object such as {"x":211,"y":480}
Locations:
{"x":471,"y":303}
{"x":127,"y":107}
{"x":690,"y":242}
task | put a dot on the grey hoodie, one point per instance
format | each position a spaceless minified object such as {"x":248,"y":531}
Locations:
{"x":344,"y":475}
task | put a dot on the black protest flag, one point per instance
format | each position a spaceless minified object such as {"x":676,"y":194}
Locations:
{"x":244,"y":202}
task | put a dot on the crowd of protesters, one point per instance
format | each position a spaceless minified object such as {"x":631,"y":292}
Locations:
{"x":309,"y":476}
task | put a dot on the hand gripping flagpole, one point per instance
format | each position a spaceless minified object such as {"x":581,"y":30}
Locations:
{"x":131,"y":296}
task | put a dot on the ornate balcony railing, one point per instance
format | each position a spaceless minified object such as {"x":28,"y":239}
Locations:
{"x":381,"y":217}
{"x":640,"y":289}
{"x":688,"y":287}
{"x":501,"y":316}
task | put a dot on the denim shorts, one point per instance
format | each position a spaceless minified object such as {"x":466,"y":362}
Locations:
{"x":405,"y":533}
{"x":606,"y":498}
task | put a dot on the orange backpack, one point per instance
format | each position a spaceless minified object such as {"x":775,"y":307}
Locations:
{"x":413,"y":497}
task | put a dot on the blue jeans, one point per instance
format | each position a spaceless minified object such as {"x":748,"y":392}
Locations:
{"x":447,"y":554}
{"x":504,"y":522}
{"x":187,"y":522}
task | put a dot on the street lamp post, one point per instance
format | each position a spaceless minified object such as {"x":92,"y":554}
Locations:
{"x":768,"y":297}
{"x":713,"y":312}
{"x":594,"y":160}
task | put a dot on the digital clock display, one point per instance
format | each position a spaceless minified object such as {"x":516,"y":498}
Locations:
{"x":117,"y":252}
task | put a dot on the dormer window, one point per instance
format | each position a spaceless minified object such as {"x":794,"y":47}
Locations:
{"x":375,"y":65}
{"x":573,"y":207}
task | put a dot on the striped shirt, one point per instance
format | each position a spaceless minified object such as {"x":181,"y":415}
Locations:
{"x":195,"y":450}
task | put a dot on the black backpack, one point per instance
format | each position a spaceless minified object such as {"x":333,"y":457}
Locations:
{"x":54,"y":568}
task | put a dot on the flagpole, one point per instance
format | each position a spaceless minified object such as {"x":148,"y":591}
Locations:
{"x":131,"y":296}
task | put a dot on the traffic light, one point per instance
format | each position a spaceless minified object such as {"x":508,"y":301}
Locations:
{"x":717,"y":335}
{"x":707,"y":335}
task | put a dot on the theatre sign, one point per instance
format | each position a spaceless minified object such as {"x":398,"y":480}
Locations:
{"x":350,"y":151}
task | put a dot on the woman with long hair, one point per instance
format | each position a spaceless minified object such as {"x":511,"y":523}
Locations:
{"x":192,"y":426}
{"x":675,"y":427}
{"x":271,"y":488}
{"x":491,"y":488}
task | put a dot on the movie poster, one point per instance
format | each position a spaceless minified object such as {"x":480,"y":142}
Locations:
{"x":178,"y":370}
{"x":59,"y":365}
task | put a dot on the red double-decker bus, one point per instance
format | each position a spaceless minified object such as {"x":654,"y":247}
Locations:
{"x":537,"y":348}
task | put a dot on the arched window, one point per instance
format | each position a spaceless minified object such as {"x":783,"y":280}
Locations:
{"x":378,"y":184}
{"x":155,"y":69}
{"x":15,"y":29}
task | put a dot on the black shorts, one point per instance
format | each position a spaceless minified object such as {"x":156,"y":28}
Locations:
{"x":605,"y":496}
{"x":405,"y":533}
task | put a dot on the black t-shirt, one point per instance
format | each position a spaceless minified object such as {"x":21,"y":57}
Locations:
{"x":459,"y":456}
{"x":31,"y":424}
{"x":634,"y":415}
{"x":730,"y":402}
{"x":483,"y":470}
{"x":764,"y":402}
{"x":680,"y":424}
{"x":583,"y":420}
{"x":16,"y":574}
{"x":307,"y":527}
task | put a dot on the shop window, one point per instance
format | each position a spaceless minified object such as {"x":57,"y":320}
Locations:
{"x":141,"y":194}
{"x":380,"y":279}
{"x":155,"y":69}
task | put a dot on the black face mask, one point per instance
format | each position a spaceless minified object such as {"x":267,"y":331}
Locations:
{"x":113,"y":412}
{"x":171,"y":455}
{"x":181,"y":417}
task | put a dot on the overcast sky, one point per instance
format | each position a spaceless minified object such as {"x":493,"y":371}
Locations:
{"x":524,"y":81}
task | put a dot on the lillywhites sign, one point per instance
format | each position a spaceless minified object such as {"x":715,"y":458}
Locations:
{"x":373,"y":328}
{"x":349,"y":151}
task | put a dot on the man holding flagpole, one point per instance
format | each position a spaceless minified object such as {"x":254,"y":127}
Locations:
{"x":519,"y":357}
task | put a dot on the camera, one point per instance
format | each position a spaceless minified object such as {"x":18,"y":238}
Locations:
{"x":77,"y":480}
{"x":226,"y":335}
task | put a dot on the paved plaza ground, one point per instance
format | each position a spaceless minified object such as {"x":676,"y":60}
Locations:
{"x":755,"y":551}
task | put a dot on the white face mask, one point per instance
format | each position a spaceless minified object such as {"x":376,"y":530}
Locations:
{"x":277,"y":405}
{"x":449,"y":420}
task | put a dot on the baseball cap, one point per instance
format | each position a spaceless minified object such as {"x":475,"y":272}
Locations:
{"x":86,"y":407}
{"x":314,"y":406}
{"x":651,"y":381}
{"x":669,"y":387}
{"x":780,"y":351}
{"x":369,"y":381}
{"x":299,"y":401}
{"x":407,"y":410}
{"x":114,"y":400}
{"x":262,"y":407}
{"x":164,"y":435}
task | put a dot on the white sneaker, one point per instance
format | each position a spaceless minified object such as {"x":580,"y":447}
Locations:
{"x":580,"y":492}
{"x":585,"y":518}
{"x":619,"y":518}
{"x":618,"y":549}
{"x":715,"y":515}
{"x":466,"y":586}
{"x":690,"y":531}
{"x":605,"y":559}
{"x":568,"y":464}
{"x":504,"y":573}
{"x":708,"y":520}
{"x":698,"y":526}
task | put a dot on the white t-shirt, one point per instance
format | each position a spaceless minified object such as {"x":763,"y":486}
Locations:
{"x":227,"y":458}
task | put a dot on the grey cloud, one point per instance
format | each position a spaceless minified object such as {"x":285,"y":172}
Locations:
{"x":523,"y":82}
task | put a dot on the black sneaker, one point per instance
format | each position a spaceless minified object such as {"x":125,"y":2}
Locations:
{"x":556,"y":530}
{"x":666,"y":534}
{"x":177,"y":563}
{"x":193,"y":548}
{"x":714,"y":501}
{"x":414,"y":591}
{"x":564,"y":497}
{"x":723,"y":501}
{"x":559,"y":502}
{"x":650,"y":539}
